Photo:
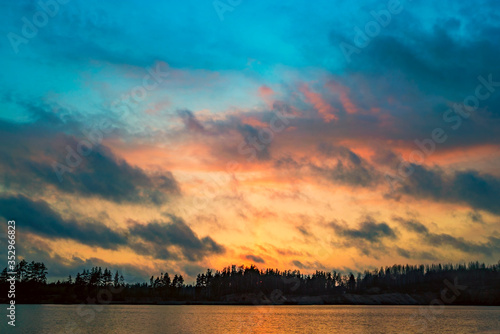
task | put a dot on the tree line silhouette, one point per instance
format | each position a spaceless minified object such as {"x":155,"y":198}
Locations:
{"x":239,"y":284}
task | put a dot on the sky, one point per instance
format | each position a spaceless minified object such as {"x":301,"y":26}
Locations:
{"x":179,"y":136}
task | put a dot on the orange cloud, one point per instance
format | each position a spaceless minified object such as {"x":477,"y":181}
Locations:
{"x":343,"y":93}
{"x":326,"y":111}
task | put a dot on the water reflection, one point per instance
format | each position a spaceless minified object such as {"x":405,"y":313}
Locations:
{"x":253,"y":319}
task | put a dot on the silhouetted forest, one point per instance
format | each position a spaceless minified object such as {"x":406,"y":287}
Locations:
{"x":473,"y":283}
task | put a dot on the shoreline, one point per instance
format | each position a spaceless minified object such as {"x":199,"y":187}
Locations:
{"x":236,"y":304}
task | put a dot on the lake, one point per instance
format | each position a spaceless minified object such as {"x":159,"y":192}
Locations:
{"x":56,"y":319}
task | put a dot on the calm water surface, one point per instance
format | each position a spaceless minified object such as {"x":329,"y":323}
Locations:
{"x":55,"y":319}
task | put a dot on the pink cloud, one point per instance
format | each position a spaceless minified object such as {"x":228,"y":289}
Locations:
{"x":254,"y":122}
{"x":265,"y":91}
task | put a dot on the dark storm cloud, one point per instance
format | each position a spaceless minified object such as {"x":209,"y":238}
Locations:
{"x":304,"y":231}
{"x":369,"y":238}
{"x":298,"y":264}
{"x":339,"y":165}
{"x":254,"y":258}
{"x":476,"y":217}
{"x":254,"y":143}
{"x":190,"y":121}
{"x":106,"y":176}
{"x":435,"y":53}
{"x":403,"y":252}
{"x":332,"y":151}
{"x":480,"y":191}
{"x":413,"y":225}
{"x":29,"y":162}
{"x":368,"y":230}
{"x":159,"y":236}
{"x":155,"y":238}
{"x":424,"y":65}
{"x":415,"y":254}
{"x":39,"y":218}
{"x":489,"y":248}
{"x":308,"y":265}
{"x":351,"y":169}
